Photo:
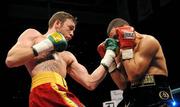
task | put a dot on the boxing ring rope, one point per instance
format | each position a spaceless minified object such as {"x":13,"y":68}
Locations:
{"x":175,"y":91}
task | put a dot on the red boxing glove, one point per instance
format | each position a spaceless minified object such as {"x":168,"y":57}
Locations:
{"x":101,"y":49}
{"x":126,"y":37}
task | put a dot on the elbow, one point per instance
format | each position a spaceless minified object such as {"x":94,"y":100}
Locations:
{"x":91,"y":83}
{"x":10,"y":63}
{"x":130,"y":78}
{"x":134,"y":75}
{"x":91,"y":86}
{"x":123,"y":87}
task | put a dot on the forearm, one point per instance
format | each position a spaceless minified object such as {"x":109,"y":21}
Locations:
{"x":90,"y":81}
{"x":119,"y":79}
{"x":19,"y":56}
{"x":98,"y":75}
{"x":132,"y":69}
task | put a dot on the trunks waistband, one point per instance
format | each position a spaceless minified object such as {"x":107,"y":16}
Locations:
{"x":151,"y":80}
{"x":48,"y":77}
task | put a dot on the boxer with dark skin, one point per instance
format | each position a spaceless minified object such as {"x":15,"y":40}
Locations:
{"x":140,"y":68}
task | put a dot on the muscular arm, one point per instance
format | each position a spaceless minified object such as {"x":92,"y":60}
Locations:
{"x":137,"y":66}
{"x":81,"y":75}
{"x":120,"y":78}
{"x":119,"y":75}
{"x":22,"y":52}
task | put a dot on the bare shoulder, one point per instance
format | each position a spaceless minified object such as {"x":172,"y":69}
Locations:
{"x":148,"y":44}
{"x":149,"y":40}
{"x":29,"y":33}
{"x":68,"y":56}
{"x":68,"y":53}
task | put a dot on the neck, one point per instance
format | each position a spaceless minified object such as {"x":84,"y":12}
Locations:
{"x":138,"y":38}
{"x":49,"y":32}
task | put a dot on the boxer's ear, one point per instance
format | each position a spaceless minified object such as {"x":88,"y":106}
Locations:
{"x":58,"y":24}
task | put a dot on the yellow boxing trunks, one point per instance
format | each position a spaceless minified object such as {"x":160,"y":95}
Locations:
{"x":49,"y":89}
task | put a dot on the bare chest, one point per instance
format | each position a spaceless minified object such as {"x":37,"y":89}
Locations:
{"x":52,"y":64}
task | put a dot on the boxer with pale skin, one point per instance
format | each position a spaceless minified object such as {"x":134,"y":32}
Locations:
{"x":48,"y":63}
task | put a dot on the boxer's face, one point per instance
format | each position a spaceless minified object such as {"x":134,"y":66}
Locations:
{"x":67,"y":29}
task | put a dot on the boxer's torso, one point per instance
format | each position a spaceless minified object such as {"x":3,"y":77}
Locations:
{"x":47,"y":62}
